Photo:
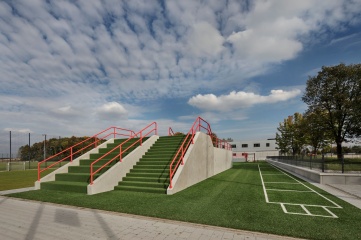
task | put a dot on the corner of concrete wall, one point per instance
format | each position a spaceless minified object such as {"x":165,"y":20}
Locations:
{"x":75,"y":162}
{"x":107,"y":181}
{"x":222,"y":160}
{"x":201,"y":161}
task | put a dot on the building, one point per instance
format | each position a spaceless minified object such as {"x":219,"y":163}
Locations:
{"x":254,"y":150}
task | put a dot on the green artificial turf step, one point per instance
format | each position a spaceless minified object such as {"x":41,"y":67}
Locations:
{"x":143,"y":184}
{"x":151,"y":173}
{"x":78,"y":177}
{"x":141,"y":189}
{"x":75,"y":177}
{"x":165,"y":174}
{"x":79,"y":187}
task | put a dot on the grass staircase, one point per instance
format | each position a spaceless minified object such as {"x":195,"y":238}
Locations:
{"x":151,"y":173}
{"x":78,"y":177}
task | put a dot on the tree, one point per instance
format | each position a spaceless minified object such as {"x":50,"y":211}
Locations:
{"x":336,"y":90}
{"x":316,"y":135}
{"x":291,"y":137}
{"x":178,"y":134}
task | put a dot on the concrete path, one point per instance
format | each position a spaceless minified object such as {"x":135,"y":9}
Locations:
{"x":20,"y":219}
{"x":16,"y":190}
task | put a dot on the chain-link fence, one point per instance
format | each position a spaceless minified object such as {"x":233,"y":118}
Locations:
{"x":347,"y":163}
{"x":15,"y":153}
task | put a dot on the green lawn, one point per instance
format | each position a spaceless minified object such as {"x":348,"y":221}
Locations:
{"x":232,"y":199}
{"x":19,"y":179}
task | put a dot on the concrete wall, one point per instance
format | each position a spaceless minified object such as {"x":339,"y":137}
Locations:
{"x":75,"y":162}
{"x":320,"y":177}
{"x":107,"y":181}
{"x":201,"y":161}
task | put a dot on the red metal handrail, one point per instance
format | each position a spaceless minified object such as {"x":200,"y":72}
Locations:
{"x":179,"y":156}
{"x":141,"y":135}
{"x":115,"y":131}
{"x":170,"y":132}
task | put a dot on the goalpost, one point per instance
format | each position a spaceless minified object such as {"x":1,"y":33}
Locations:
{"x":15,"y":166}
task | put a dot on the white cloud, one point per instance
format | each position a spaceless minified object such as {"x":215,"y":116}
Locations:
{"x":112,"y":111}
{"x":23,"y":130}
{"x":239,"y":100}
{"x":205,"y":40}
{"x":64,"y":64}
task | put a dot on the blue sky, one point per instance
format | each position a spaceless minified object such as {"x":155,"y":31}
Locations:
{"x":77,"y":67}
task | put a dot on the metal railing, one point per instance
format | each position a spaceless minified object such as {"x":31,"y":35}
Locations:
{"x":197,"y":126}
{"x":78,"y":148}
{"x":321,"y":163}
{"x":170,"y":132}
{"x":150,"y":128}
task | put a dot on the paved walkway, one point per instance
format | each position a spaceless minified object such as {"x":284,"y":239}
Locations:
{"x":20,"y":219}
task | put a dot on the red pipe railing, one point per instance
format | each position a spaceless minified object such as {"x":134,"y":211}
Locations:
{"x":115,"y":131}
{"x":141,"y":135}
{"x":179,"y":156}
{"x":170,"y":132}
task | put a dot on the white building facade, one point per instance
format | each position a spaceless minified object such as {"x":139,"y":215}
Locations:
{"x":254,"y":150}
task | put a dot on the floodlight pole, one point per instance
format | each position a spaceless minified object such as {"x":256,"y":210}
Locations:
{"x":10,"y":153}
{"x":44,"y":147}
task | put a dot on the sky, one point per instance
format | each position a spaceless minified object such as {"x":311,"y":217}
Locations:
{"x":78,"y":67}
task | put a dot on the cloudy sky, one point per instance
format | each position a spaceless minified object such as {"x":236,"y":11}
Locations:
{"x":77,"y":67}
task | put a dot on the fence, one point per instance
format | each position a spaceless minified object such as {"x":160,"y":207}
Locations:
{"x":322,"y":163}
{"x":11,"y":143}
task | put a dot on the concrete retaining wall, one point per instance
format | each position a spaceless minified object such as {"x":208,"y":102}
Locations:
{"x":107,"y":181}
{"x":201,"y":161}
{"x":75,"y":162}
{"x":319,"y":177}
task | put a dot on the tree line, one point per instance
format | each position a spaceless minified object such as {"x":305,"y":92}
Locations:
{"x":333,"y":116}
{"x":52,"y":146}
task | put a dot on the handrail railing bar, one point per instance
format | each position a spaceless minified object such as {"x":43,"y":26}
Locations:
{"x":170,"y":131}
{"x":97,"y":139}
{"x":92,"y":173}
{"x":198,"y":125}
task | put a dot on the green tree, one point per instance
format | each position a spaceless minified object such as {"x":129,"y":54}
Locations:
{"x":316,"y":135}
{"x":291,"y":137}
{"x":336,"y":90}
{"x":178,"y":134}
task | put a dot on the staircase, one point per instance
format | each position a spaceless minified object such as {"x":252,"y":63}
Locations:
{"x":151,"y":173}
{"x":78,"y":177}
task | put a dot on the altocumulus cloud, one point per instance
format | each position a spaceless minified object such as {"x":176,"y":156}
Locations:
{"x":238,"y":100}
{"x":61,"y":60}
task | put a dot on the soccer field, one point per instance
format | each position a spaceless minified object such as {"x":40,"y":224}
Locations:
{"x":292,"y":195}
{"x":249,"y":196}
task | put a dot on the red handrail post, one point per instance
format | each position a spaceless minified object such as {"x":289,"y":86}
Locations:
{"x":91,"y":175}
{"x":192,"y":136}
{"x":71,"y":154}
{"x":141,"y":138}
{"x":182,"y":155}
{"x":114,"y":132}
{"x":120,"y":152}
{"x":38,"y":171}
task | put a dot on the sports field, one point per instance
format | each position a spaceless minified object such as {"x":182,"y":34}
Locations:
{"x":250,"y":196}
{"x":292,"y":195}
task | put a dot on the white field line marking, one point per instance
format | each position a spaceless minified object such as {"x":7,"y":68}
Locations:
{"x":264,"y":188}
{"x":336,"y":205}
{"x":303,"y":206}
{"x":308,"y":213}
{"x":283,"y":182}
{"x":328,"y":210}
{"x":272,"y":174}
{"x":306,"y":210}
{"x":286,"y":190}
